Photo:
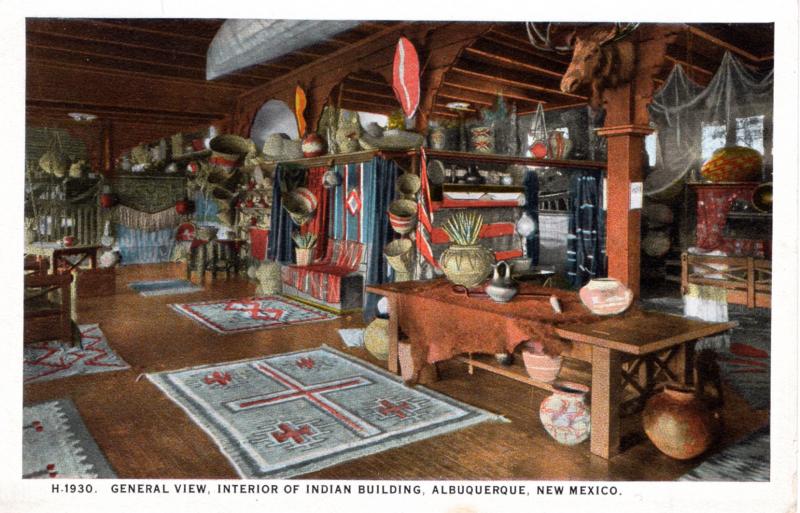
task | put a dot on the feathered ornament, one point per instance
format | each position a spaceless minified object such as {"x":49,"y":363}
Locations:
{"x":300,"y":107}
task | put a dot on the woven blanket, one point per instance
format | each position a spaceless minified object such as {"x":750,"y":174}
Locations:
{"x":56,"y":443}
{"x":294,"y":413}
{"x":250,"y":314}
{"x":53,"y":360}
{"x":164,"y":287}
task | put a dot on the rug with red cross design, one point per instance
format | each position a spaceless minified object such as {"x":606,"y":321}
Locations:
{"x":294,"y":413}
{"x":250,"y":314}
{"x":56,"y":443}
{"x":54,"y":360}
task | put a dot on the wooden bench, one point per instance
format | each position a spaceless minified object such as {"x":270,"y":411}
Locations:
{"x":47,"y":308}
{"x":333,"y":283}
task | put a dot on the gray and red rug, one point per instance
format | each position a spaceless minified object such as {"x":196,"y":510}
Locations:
{"x":164,"y":287}
{"x":56,"y":444}
{"x":53,"y":360}
{"x":251,"y":314}
{"x":294,"y":413}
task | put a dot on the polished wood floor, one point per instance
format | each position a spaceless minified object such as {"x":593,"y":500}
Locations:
{"x":145,"y":435}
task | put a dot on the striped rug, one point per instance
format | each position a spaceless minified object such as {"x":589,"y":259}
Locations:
{"x":747,"y":460}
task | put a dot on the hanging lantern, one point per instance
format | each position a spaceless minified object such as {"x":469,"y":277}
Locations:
{"x":184,"y":207}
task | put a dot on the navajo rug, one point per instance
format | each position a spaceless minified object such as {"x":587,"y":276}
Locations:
{"x":56,"y":443}
{"x":250,"y":314}
{"x":164,"y":287}
{"x":747,"y":460}
{"x":294,"y":413}
{"x":53,"y":360}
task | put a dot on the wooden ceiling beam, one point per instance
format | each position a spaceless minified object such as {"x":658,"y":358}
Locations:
{"x":360,"y":106}
{"x":126,"y":25}
{"x":106,"y":108}
{"x":705,"y":34}
{"x":364,"y":92}
{"x":506,"y":78}
{"x":511,"y":57}
{"x":505,"y":38}
{"x":546,"y":85}
{"x":464,"y":81}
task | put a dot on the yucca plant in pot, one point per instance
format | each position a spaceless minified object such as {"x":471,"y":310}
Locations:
{"x":305,"y":247}
{"x":466,"y":262}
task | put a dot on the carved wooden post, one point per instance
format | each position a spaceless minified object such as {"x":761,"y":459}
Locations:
{"x":627,"y":123}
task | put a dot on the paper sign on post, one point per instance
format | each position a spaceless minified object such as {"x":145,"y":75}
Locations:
{"x":637,"y":193}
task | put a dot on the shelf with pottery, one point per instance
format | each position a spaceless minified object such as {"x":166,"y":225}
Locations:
{"x":335,"y":159}
{"x":572,"y":370}
{"x":493,"y":158}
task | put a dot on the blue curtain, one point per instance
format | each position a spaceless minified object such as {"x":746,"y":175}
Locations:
{"x":379,"y":185}
{"x":280,"y":247}
{"x":586,"y":244}
{"x":531,"y":184}
{"x":142,"y":247}
{"x":205,"y":209}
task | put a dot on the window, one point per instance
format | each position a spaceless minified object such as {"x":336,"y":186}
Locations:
{"x":712,"y":139}
{"x":651,"y":146}
{"x":750,"y":132}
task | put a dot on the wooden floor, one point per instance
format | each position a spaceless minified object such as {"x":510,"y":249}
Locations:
{"x":145,"y":435}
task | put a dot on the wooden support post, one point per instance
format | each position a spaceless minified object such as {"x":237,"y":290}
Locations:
{"x":394,"y":335}
{"x":606,"y":399}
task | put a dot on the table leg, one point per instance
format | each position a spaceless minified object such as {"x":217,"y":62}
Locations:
{"x":73,"y":296}
{"x":394,"y":336}
{"x":201,"y":265}
{"x":688,"y":362}
{"x":606,"y":397}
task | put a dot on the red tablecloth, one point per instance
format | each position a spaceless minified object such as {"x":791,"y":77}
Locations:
{"x":441,"y":323}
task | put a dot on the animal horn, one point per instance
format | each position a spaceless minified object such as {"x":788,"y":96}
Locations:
{"x":621,"y":31}
{"x":541,"y":41}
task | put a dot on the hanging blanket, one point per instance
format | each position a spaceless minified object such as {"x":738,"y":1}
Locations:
{"x":138,"y":220}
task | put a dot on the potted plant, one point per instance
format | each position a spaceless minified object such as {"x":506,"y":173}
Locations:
{"x":305,"y":247}
{"x":466,"y":262}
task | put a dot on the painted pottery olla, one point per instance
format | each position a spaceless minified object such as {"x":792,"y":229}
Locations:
{"x":606,"y":296}
{"x":539,"y":149}
{"x":467,"y":265}
{"x":539,"y":365}
{"x":482,"y":139}
{"x":376,"y":338}
{"x":313,"y":145}
{"x":438,"y":138}
{"x":565,"y":415}
{"x":502,"y":288}
{"x":733,"y":164}
{"x":678,"y":422}
{"x":403,"y":216}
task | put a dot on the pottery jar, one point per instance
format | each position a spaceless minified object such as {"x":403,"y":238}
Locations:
{"x":502,"y":288}
{"x":678,"y":423}
{"x":482,"y":139}
{"x":565,"y":415}
{"x":606,"y":296}
{"x":467,"y":265}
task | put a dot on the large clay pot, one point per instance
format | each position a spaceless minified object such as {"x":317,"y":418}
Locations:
{"x":482,"y":139}
{"x":467,"y":265}
{"x":678,"y":423}
{"x":606,"y":296}
{"x":565,"y":415}
{"x":733,"y":164}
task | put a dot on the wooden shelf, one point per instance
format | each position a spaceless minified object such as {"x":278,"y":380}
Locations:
{"x":450,"y":203}
{"x":571,"y":370}
{"x":510,"y":159}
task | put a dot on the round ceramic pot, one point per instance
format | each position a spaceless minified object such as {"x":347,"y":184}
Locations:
{"x":482,"y":139}
{"x":304,"y":256}
{"x":313,"y":145}
{"x":678,"y":423}
{"x":733,"y":164}
{"x":606,"y":296}
{"x":438,"y":138}
{"x":565,"y":415}
{"x":540,"y":366}
{"x":467,"y":265}
{"x":376,"y":338}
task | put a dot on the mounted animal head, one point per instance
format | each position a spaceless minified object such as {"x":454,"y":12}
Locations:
{"x":601,"y":57}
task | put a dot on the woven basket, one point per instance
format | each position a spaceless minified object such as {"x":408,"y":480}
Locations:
{"x":403,"y":216}
{"x":656,"y":244}
{"x":408,"y":185}
{"x":300,"y":204}
{"x":273,"y":146}
{"x":229,"y":147}
{"x":376,"y":338}
{"x":398,"y":253}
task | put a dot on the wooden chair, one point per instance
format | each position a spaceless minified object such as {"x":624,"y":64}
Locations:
{"x":47,"y":308}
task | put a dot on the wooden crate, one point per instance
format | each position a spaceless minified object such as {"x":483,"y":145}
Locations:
{"x":97,"y":282}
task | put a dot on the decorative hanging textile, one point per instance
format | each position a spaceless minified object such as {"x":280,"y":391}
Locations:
{"x":144,"y":247}
{"x":300,"y":107}
{"x":347,"y":202}
{"x":281,"y":248}
{"x":425,"y":221}
{"x":713,"y":205}
{"x":531,"y":184}
{"x":586,"y":242}
{"x":379,"y":192}
{"x":405,"y":79}
{"x":137,"y":220}
{"x":690,"y":119}
{"x":319,"y":224}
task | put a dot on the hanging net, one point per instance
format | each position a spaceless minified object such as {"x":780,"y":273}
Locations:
{"x":692,"y":122}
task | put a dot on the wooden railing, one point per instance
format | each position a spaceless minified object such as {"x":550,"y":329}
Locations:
{"x":58,"y":220}
{"x":748,"y":280}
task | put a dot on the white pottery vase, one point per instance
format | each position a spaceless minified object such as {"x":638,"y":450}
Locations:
{"x":606,"y":296}
{"x":565,"y":415}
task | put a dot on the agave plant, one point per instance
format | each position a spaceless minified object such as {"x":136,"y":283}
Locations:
{"x":304,"y":241}
{"x":464,"y":228}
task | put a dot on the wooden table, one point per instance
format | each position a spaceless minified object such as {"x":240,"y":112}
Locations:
{"x":648,"y":341}
{"x":634,"y":351}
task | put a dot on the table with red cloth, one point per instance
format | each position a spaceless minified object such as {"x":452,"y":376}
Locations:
{"x":442,"y":323}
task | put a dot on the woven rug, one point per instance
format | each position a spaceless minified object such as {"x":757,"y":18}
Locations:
{"x":164,"y":287}
{"x":53,"y":360}
{"x":294,"y":413}
{"x":250,"y":314}
{"x":745,"y":363}
{"x":747,"y":460}
{"x":56,"y":443}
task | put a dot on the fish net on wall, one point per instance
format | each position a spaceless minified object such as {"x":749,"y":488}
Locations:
{"x":692,"y":122}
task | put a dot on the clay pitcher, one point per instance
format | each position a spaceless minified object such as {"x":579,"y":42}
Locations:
{"x":502,"y":288}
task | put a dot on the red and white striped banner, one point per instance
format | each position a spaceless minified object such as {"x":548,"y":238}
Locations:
{"x":425,"y":224}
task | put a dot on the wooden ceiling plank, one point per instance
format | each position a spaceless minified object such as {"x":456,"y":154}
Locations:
{"x":513,"y":79}
{"x":512,"y":57}
{"x":522,"y":44}
{"x":728,"y":46}
{"x":127,"y":24}
{"x":465,"y":82}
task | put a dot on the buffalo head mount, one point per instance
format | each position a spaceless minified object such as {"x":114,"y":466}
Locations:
{"x":602,"y":56}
